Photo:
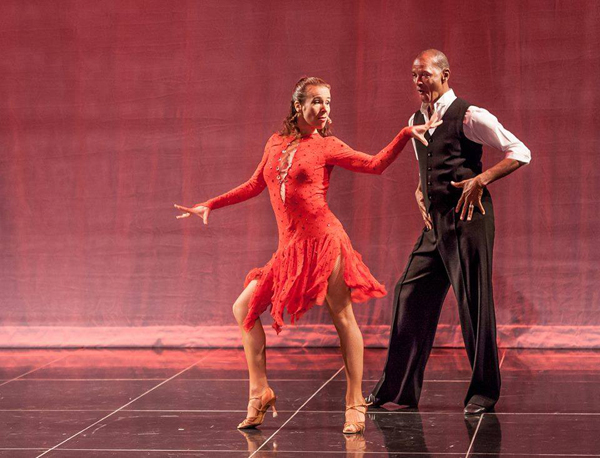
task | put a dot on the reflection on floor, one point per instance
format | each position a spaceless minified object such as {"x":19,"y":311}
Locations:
{"x":176,"y":403}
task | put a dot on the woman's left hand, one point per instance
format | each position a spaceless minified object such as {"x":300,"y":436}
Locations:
{"x":198,"y":210}
{"x":418,"y":132}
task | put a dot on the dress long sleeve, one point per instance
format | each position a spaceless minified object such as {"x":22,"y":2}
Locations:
{"x":251,"y":188}
{"x":338,"y":153}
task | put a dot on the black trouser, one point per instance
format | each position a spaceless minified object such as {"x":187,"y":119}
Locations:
{"x":458,"y":254}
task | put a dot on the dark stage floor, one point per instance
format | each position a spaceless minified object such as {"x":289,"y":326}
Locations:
{"x":172,"y":403}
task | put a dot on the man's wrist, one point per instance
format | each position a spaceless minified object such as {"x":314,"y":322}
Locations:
{"x":482,"y":179}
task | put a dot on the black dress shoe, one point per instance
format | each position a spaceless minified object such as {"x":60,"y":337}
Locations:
{"x":372,"y":400}
{"x":476,"y":409}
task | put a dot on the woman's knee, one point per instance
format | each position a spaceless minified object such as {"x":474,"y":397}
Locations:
{"x":240,"y":306}
{"x":342,"y":315}
{"x":240,"y":310}
{"x":338,"y":293}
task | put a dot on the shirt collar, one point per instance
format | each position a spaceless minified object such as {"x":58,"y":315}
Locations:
{"x":441,"y":105}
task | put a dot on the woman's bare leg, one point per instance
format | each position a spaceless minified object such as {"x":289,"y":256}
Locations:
{"x":254,"y":348}
{"x":351,"y":341}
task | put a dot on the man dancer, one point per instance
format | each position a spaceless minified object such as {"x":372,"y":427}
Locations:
{"x":456,"y":245}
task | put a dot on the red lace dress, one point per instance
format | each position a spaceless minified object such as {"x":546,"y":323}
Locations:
{"x":310,"y":236}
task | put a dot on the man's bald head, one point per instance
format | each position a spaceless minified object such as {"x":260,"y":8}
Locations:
{"x":430,"y":73}
{"x":438,"y":58}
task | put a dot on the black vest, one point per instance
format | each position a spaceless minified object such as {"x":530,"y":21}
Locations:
{"x":450,"y":156}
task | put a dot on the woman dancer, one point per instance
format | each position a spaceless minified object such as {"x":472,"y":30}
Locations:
{"x":315,"y":262}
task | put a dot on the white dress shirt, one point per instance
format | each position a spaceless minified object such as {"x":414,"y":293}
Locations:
{"x":480,"y":126}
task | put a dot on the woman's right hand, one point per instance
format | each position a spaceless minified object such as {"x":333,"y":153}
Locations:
{"x":418,"y":132}
{"x":198,"y":210}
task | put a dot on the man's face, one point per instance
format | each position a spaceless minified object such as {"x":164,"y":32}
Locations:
{"x":428,"y":78}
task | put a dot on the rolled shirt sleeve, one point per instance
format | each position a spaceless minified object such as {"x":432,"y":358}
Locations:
{"x":480,"y":126}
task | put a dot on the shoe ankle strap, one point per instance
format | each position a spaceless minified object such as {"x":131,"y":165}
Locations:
{"x":356,"y":407}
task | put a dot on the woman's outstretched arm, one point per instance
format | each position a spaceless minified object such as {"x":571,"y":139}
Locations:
{"x":251,"y":188}
{"x":341,"y":154}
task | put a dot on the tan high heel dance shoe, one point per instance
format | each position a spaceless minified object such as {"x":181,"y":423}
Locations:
{"x":267,"y":399}
{"x":356,"y":427}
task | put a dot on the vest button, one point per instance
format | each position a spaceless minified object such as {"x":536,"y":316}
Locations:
{"x":429,"y":183}
{"x":429,"y":154}
{"x":429,"y":168}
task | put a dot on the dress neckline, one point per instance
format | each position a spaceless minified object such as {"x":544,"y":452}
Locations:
{"x":306,"y":137}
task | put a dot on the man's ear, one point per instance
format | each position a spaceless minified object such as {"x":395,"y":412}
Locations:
{"x":445,"y":75}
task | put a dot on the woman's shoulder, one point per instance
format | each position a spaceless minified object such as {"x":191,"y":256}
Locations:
{"x":276,"y":139}
{"x":333,"y":142}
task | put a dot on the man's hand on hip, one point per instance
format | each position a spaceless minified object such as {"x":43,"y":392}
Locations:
{"x":472,"y":191}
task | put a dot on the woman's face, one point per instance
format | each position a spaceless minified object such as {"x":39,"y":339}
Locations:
{"x":315,"y":109}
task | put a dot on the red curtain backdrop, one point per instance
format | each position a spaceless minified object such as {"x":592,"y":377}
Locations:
{"x":112,"y":111}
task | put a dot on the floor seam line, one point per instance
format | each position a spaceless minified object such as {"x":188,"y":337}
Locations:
{"x":296,"y":413}
{"x":38,"y":368}
{"x":474,"y":436}
{"x":502,"y":360}
{"x":122,"y":407}
{"x":374,"y":412}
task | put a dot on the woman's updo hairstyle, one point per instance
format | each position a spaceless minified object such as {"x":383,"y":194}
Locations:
{"x":290,"y":123}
